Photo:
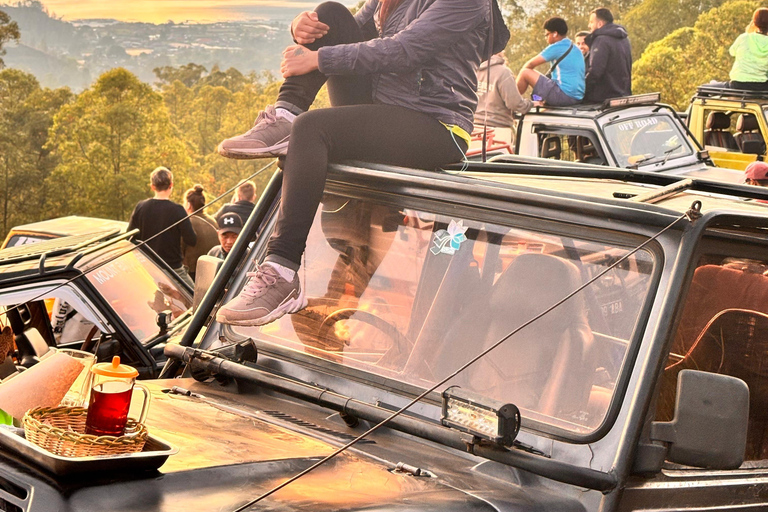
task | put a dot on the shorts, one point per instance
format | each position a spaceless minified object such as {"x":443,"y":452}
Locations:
{"x":551,"y":94}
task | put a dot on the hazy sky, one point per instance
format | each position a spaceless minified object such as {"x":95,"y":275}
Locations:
{"x":160,"y":11}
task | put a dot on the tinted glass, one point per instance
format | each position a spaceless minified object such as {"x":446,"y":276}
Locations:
{"x":138,"y":290}
{"x":412,"y":295}
{"x":646,"y":140}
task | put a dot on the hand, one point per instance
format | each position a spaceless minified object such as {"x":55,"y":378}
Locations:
{"x":306,"y":28}
{"x":298,"y":60}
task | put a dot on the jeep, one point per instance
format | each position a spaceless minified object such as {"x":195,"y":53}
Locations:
{"x":496,"y":337}
{"x":731,"y":124}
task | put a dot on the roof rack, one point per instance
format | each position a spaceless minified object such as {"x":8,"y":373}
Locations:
{"x":509,"y":164}
{"x":54,"y":247}
{"x":718,"y":91}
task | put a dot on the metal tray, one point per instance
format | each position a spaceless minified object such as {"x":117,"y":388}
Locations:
{"x":155,"y":453}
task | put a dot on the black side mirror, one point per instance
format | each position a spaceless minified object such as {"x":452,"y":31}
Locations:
{"x":709,"y":429}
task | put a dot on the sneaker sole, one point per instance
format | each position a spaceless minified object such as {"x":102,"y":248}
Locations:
{"x":247,"y":154}
{"x":290,"y":307}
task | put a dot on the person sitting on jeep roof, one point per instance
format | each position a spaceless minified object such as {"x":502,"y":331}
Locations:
{"x":609,"y":70}
{"x":563,"y":85}
{"x":581,"y":43}
{"x":750,"y":67}
{"x":498,"y":99}
{"x":423,"y":62}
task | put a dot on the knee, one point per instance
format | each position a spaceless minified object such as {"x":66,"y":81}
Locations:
{"x":330,"y":10}
{"x":306,"y":125}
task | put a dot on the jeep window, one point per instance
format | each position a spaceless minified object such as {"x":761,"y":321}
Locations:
{"x":723,"y":329}
{"x":646,"y":140}
{"x":137,"y":289}
{"x":411,"y":295}
{"x":570,"y":146}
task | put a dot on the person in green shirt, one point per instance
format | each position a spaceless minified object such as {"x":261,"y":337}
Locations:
{"x":750,"y":69}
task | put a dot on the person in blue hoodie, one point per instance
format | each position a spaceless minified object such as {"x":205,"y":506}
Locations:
{"x":609,"y":71}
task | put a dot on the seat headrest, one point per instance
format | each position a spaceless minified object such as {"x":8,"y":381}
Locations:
{"x":746,"y":123}
{"x":533,"y":282}
{"x":718,"y":121}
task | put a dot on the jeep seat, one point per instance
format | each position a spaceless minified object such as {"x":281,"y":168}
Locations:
{"x":724,"y":329}
{"x":546,"y":366}
{"x":748,"y":136}
{"x":716,"y":134}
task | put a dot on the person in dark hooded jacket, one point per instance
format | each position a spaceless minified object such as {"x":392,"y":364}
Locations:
{"x":609,"y":70}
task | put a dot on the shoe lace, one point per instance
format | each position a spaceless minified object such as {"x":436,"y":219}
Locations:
{"x":259,"y":281}
{"x":266,"y":116}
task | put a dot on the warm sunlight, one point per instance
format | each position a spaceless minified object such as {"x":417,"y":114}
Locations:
{"x":160,"y":11}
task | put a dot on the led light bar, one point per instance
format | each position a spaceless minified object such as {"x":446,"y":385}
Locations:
{"x":638,"y":99}
{"x":480,"y":416}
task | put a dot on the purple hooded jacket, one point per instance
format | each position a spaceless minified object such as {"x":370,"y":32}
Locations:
{"x":425,"y":59}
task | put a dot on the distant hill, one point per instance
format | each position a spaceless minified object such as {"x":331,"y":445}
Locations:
{"x":73,"y":54}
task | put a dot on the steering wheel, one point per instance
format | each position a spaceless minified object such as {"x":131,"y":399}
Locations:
{"x":402,"y":345}
{"x":88,"y":344}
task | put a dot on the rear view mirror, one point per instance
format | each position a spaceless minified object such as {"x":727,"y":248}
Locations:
{"x":709,"y":429}
{"x":205,"y":272}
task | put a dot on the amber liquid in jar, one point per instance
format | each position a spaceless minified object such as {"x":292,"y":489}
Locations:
{"x":108,"y":409}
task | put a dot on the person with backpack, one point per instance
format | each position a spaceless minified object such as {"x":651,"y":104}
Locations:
{"x":563,"y":85}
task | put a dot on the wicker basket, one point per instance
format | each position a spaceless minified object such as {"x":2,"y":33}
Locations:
{"x":61,"y":430}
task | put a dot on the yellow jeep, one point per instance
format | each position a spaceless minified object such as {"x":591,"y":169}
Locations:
{"x":730,"y":123}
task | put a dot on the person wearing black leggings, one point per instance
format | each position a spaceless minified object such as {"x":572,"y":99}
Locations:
{"x":401,"y":77}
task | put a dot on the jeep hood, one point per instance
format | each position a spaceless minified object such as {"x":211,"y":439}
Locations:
{"x":230,"y":453}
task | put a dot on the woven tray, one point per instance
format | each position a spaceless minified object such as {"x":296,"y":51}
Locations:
{"x":61,"y":431}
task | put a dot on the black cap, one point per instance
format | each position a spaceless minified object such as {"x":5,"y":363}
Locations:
{"x":230,"y":223}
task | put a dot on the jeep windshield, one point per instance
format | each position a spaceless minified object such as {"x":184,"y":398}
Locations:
{"x":410,"y":295}
{"x":137,"y":289}
{"x":646,"y":140}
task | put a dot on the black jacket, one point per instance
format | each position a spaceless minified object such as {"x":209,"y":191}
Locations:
{"x":242,"y":208}
{"x":609,"y":73}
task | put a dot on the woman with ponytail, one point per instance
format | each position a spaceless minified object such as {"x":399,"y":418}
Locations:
{"x":204,"y":226}
{"x":402,"y":79}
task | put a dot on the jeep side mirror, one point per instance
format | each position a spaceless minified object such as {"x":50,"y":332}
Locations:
{"x":709,"y":429}
{"x":205,"y":272}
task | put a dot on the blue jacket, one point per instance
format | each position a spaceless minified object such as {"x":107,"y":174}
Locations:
{"x":425,"y":59}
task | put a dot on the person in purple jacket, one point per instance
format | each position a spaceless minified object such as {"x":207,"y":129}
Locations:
{"x":401,"y":74}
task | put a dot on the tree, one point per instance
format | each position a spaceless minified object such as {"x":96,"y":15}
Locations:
{"x":109,"y":140}
{"x":189,"y":74}
{"x":652,"y":20}
{"x":689,"y":57}
{"x":9,"y":31}
{"x":26,"y":115}
{"x":527,"y":42}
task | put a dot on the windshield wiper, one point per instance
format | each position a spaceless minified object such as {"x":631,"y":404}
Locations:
{"x":667,"y":154}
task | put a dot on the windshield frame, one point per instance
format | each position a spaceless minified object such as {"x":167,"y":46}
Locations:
{"x":115,"y":253}
{"x":508,"y":218}
{"x":659,"y":112}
